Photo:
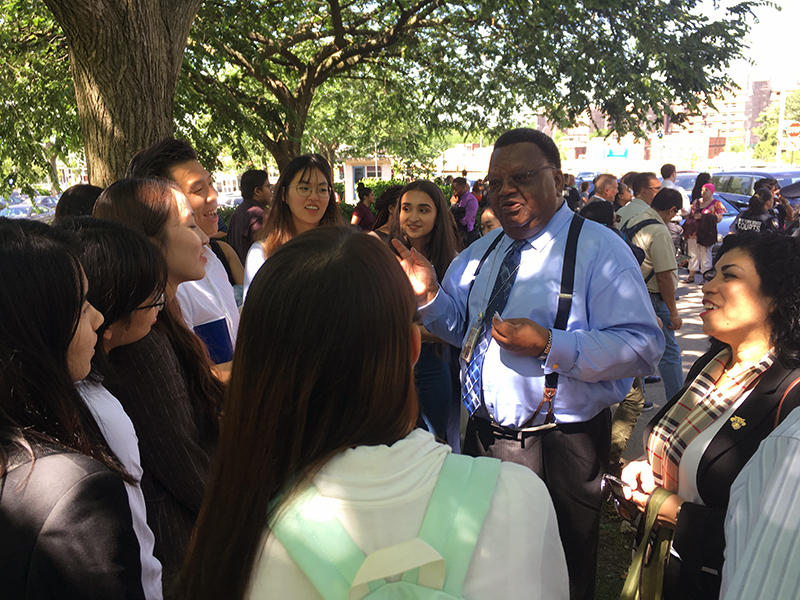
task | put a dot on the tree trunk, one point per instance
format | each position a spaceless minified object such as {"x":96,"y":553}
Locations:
{"x":125,"y":58}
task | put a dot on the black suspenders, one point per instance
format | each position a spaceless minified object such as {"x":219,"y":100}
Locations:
{"x":564,"y":305}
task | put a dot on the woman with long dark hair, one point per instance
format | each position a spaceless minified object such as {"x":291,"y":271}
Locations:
{"x":127,"y":276}
{"x":423,"y":221}
{"x":303,"y":199}
{"x":65,"y":521}
{"x":305,"y":417}
{"x":385,"y":207}
{"x":164,"y":381}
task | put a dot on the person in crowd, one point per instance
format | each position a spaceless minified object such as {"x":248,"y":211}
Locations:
{"x":649,"y":231}
{"x":762,"y":525}
{"x":515,"y":353}
{"x":385,"y":207}
{"x":341,"y":426}
{"x":757,"y":218}
{"x":65,"y":521}
{"x":465,"y":210}
{"x":489,"y":222}
{"x":424,"y":223}
{"x":669,"y":175}
{"x":622,"y":197}
{"x":645,"y":187}
{"x":303,"y":200}
{"x":785,"y":213}
{"x":605,"y":188}
{"x":209,"y":304}
{"x":733,"y":398}
{"x":585,"y":185}
{"x":164,"y":381}
{"x":700,"y":230}
{"x":77,"y":200}
{"x":478,"y":192}
{"x":699,"y":182}
{"x":628,"y":178}
{"x":127,"y":277}
{"x":247,"y":220}
{"x":571,"y":194}
{"x":362,"y":213}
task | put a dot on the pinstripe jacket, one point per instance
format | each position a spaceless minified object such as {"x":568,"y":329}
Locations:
{"x":174,"y":443}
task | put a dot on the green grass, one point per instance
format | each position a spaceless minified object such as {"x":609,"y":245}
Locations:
{"x":614,"y":554}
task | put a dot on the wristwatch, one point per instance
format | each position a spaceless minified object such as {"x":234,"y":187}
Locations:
{"x":546,"y":351}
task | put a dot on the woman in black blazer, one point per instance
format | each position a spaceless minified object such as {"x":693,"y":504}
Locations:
{"x":65,"y":522}
{"x":698,"y":443}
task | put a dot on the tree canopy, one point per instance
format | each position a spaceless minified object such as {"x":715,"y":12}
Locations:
{"x":768,"y":127}
{"x":261,"y":76}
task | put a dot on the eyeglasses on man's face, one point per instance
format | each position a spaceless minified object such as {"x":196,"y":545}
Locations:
{"x":517,"y":180}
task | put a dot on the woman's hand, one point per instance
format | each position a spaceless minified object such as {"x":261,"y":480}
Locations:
{"x":639,"y":476}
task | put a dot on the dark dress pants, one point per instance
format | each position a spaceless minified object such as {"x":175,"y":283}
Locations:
{"x":570,"y":459}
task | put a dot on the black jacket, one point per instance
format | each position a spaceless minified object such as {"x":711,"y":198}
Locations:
{"x":66,"y":533}
{"x":699,"y":535}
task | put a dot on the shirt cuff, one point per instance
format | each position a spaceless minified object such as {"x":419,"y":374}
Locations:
{"x":561,"y":357}
{"x":433,"y":309}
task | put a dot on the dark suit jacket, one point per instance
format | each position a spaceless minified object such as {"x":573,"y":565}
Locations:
{"x":699,"y":535}
{"x":66,"y":532}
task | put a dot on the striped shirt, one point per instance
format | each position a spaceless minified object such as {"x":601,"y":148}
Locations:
{"x":762,"y":526}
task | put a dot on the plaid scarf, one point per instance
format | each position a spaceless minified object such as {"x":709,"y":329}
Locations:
{"x":698,"y":408}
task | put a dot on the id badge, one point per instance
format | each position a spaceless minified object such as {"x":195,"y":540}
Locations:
{"x":471,"y":340}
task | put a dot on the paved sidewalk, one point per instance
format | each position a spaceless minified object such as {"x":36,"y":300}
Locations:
{"x":693,"y":343}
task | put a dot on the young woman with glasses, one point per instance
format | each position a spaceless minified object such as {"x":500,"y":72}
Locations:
{"x":303,"y":199}
{"x":127,"y":276}
{"x":164,"y":381}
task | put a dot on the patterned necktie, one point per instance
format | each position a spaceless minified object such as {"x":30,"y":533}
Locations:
{"x":472,"y":395}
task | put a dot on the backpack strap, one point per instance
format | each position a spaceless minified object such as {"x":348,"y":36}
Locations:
{"x":456,"y":512}
{"x":315,"y":539}
{"x":632,"y":231}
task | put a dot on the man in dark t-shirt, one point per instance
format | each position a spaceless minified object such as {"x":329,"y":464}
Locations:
{"x":248,"y":217}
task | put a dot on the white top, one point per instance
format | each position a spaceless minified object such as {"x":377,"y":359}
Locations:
{"x":668,"y":183}
{"x":255,"y":258}
{"x":380,"y":495}
{"x":120,"y":435}
{"x":762,"y":526}
{"x":211,"y":298}
{"x":690,"y":461}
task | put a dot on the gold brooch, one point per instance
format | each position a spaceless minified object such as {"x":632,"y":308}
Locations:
{"x":737,"y":423}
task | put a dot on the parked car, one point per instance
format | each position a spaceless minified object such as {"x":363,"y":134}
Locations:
{"x":46,"y":201}
{"x":736,"y":186}
{"x":17,"y":211}
{"x":686,"y":179}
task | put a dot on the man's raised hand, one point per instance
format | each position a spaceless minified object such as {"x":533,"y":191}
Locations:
{"x":420,"y":273}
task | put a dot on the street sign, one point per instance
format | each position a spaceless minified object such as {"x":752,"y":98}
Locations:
{"x":793,"y":129}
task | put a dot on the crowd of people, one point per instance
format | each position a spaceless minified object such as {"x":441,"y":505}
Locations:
{"x":392,"y":395}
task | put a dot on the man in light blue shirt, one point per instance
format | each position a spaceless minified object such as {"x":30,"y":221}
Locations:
{"x":610,"y":337}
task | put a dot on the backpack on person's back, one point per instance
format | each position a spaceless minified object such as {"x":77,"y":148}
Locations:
{"x":433,"y":565}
